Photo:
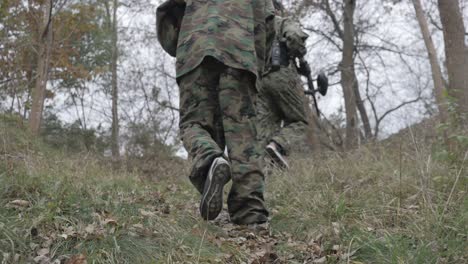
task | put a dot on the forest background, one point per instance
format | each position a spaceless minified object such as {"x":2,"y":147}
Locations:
{"x":96,"y":70}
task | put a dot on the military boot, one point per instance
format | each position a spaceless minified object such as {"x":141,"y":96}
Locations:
{"x":275,"y":153}
{"x":212,"y":199}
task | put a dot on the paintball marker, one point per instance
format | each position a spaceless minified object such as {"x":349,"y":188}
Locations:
{"x":322,"y":81}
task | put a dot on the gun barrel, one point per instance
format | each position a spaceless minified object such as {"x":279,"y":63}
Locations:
{"x":310,"y":82}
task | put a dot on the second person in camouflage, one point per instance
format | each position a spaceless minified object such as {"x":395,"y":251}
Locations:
{"x":220,"y":59}
{"x":282,"y":97}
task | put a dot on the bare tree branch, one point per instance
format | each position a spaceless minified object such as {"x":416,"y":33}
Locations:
{"x":379,"y":120}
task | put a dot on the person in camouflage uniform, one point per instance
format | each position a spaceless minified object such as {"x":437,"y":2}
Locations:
{"x":281,"y":106}
{"x":220,"y":48}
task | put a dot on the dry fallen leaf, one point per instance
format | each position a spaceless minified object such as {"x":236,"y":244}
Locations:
{"x":77,"y":259}
{"x":68,"y":231}
{"x":320,"y":260}
{"x":42,"y":259}
{"x":19,"y":203}
{"x":266,"y":258}
{"x":336,"y":248}
{"x":336,"y":228}
{"x":90,"y":228}
{"x":172,"y":188}
{"x":110,"y":221}
{"x":319,"y":238}
{"x":146,"y":213}
{"x":348,"y":255}
{"x":413,"y":207}
{"x":43,"y":251}
{"x":138,"y":226}
{"x":47,"y":242}
{"x":316,"y":249}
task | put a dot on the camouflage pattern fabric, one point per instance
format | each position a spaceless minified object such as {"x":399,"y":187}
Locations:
{"x":221,"y":53}
{"x":292,"y":34}
{"x":288,"y":31}
{"x":281,"y":99}
{"x":232,"y":31}
{"x":218,"y":109}
{"x":169,"y":17}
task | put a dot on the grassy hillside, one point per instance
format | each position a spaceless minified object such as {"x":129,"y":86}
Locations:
{"x":383,"y":203}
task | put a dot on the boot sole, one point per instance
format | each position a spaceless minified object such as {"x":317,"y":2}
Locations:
{"x":212,"y":201}
{"x":277,"y":158}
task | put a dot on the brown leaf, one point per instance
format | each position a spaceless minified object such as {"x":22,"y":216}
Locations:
{"x":316,"y":249}
{"x":47,"y":242}
{"x":319,"y":238}
{"x":146,"y":213}
{"x":336,"y":228}
{"x":173,"y":188}
{"x":70,"y":231}
{"x":413,"y":207}
{"x":42,"y":259}
{"x":336,"y":249}
{"x":320,"y":260}
{"x":90,"y":228}
{"x":138,"y":226}
{"x":19,"y":203}
{"x":43,"y":251}
{"x":218,"y":243}
{"x":110,"y":221}
{"x":348,"y":255}
{"x":77,"y":259}
{"x":266,"y":258}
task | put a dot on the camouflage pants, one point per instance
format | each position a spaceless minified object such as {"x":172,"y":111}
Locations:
{"x":217,"y":110}
{"x":281,"y":99}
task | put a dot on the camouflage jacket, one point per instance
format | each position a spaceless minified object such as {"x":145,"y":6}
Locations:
{"x":232,"y":31}
{"x":290,"y":32}
{"x":168,"y":21}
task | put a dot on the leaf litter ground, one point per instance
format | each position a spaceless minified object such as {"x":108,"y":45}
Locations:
{"x":368,"y":206}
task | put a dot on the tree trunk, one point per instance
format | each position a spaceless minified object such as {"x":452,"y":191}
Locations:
{"x":456,"y":57}
{"x":115,"y":94}
{"x":347,"y":75}
{"x":42,"y":72}
{"x":435,"y":66}
{"x":361,"y":108}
